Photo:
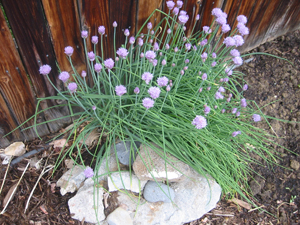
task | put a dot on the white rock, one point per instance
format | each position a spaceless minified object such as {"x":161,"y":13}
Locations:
{"x":157,"y":167}
{"x":82,"y":205}
{"x":119,"y":217}
{"x":71,"y":180}
{"x":194,"y":197}
{"x":15,"y":149}
{"x":123,"y":180}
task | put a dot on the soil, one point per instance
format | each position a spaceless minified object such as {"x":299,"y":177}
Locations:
{"x":273,"y":83}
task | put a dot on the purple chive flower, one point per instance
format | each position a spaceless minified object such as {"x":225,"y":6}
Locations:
{"x":88,"y":172}
{"x":115,"y":24}
{"x":120,"y":90}
{"x":195,"y":48}
{"x":101,"y":30}
{"x":228,"y":99}
{"x":226,"y":79}
{"x":148,"y":103}
{"x":95,"y":40}
{"x":117,"y":59}
{"x":221,"y":89}
{"x":223,"y":111}
{"x":200,"y":90}
{"x":186,"y":61}
{"x":225,"y":28}
{"x":256,"y":117}
{"x":154,"y":62}
{"x":229,"y":42}
{"x":222,"y":79}
{"x":173,"y":64}
{"x":230,"y":95}
{"x":122,"y":52}
{"x":69,"y":50}
{"x":208,"y":88}
{"x":149,"y":26}
{"x":183,"y":19}
{"x":214,"y":55}
{"x":151,"y":41}
{"x":221,"y":20}
{"x":197,"y":17}
{"x":175,"y":49}
{"x":98,"y":67}
{"x":228,"y":71}
{"x":169,"y":31}
{"x":238,"y":114}
{"x":168,"y":88}
{"x":64,"y":76}
{"x":234,"y":110}
{"x":237,"y":61}
{"x":204,"y":42}
{"x":154,"y":92}
{"x":150,"y":55}
{"x":131,"y":40}
{"x":207,"y":30}
{"x":162,"y":81}
{"x":218,"y":95}
{"x":243,"y":29}
{"x":109,"y":63}
{"x":245,"y":87}
{"x":185,"y":68}
{"x":182,"y":72}
{"x":91,"y":56}
{"x":155,"y":46}
{"x":140,"y":42}
{"x":217,"y":12}
{"x":179,"y":4}
{"x":204,"y":76}
{"x":243,"y":102}
{"x":188,"y":46}
{"x":72,"y":87}
{"x":94,"y":107}
{"x":147,"y":77}
{"x":136,"y":90}
{"x":235,"y":133}
{"x":126,"y":32}
{"x":239,"y":41}
{"x":199,"y":122}
{"x":242,"y":19}
{"x":170,"y":4}
{"x":45,"y":69}
{"x":83,"y":73}
{"x":163,"y":62}
{"x":234,"y":53}
{"x":204,"y":56}
{"x":84,"y":34}
{"x":142,"y":55}
{"x":206,"y":110}
{"x":214,"y":63}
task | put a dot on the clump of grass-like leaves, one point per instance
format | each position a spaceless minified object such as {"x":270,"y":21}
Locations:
{"x":177,"y":91}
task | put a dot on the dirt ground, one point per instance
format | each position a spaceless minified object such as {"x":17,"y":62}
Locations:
{"x":273,"y":83}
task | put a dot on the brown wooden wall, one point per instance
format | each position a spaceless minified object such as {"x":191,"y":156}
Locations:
{"x":39,"y":30}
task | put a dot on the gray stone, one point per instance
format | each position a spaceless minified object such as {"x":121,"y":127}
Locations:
{"x":156,"y":192}
{"x":82,"y":205}
{"x":194,"y":196}
{"x":126,"y":151}
{"x":125,"y":180}
{"x":119,"y":217}
{"x":149,"y":164}
{"x":71,"y":180}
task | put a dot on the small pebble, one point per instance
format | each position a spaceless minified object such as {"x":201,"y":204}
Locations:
{"x":294,"y":164}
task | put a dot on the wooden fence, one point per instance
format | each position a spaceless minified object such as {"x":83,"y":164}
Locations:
{"x":38,"y":30}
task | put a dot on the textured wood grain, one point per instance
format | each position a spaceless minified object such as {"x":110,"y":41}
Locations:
{"x":36,"y":49}
{"x":14,"y":86}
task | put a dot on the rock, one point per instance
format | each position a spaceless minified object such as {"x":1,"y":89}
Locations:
{"x":82,"y":205}
{"x":128,"y":182}
{"x":119,"y":217}
{"x":71,"y":180}
{"x":175,"y":170}
{"x":108,"y":165}
{"x":124,"y":152}
{"x":156,"y":192}
{"x":294,"y":164}
{"x":15,"y":149}
{"x":256,"y":185}
{"x":194,"y":196}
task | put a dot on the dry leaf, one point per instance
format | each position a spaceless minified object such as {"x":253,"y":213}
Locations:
{"x":59,"y":143}
{"x":9,"y":193}
{"x":15,"y":149}
{"x":91,"y":137}
{"x":240,"y":203}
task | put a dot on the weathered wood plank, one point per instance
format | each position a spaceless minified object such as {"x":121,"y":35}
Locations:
{"x":35,"y":47}
{"x":63,"y":21}
{"x":16,"y":93}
